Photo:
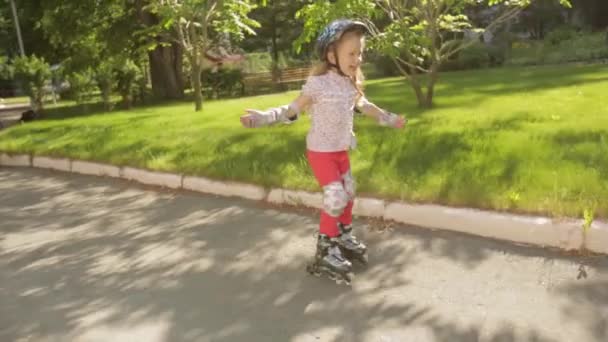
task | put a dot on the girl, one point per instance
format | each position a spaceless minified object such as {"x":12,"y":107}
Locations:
{"x":330,"y":95}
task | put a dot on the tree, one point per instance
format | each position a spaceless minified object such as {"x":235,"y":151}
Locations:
{"x":164,"y":53}
{"x":418,"y":35}
{"x":541,"y":17}
{"x":29,"y":13}
{"x":86,"y":33}
{"x":593,"y":13}
{"x":81,"y":83}
{"x":32,"y":73}
{"x":105,"y":79}
{"x":278,"y":31}
{"x":6,"y":71}
{"x":197,"y":24}
{"x":5,"y":30}
{"x":128,"y":79}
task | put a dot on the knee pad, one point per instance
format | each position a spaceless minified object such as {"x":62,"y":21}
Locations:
{"x":349,"y":184}
{"x":335,"y":199}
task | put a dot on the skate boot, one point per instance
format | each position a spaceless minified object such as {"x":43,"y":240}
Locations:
{"x":351,"y":247}
{"x":329,"y":261}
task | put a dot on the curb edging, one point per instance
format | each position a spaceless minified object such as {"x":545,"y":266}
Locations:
{"x":533,"y":230}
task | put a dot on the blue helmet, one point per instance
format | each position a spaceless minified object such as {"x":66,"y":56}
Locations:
{"x":334,"y":31}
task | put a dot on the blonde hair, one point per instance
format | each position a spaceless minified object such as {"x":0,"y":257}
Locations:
{"x":321,"y":68}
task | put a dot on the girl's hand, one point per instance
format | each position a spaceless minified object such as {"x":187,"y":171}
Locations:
{"x":249,"y":120}
{"x":246,"y":121}
{"x":400,"y":123}
{"x":391,"y":120}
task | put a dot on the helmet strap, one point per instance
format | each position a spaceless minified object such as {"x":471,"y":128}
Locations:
{"x":337,"y":65}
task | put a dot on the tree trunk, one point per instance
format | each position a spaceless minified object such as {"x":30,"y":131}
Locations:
{"x":39,"y":99}
{"x":417,"y":87}
{"x":105,"y":94}
{"x":196,"y":82}
{"x":166,"y":72}
{"x":165,"y":61}
{"x":276,"y":73}
{"x":411,"y":75}
{"x":196,"y":60}
{"x":430,"y":90}
{"x":127,"y":100}
{"x":601,"y":15}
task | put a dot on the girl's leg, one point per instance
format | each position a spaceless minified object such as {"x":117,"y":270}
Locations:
{"x":349,"y":186}
{"x":326,"y":170}
{"x":353,"y":248}
{"x":329,"y":258}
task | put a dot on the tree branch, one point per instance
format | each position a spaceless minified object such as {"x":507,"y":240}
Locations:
{"x":411,"y":65}
{"x":210,"y":11}
{"x":390,"y":11}
{"x":401,"y":70}
{"x":507,"y":15}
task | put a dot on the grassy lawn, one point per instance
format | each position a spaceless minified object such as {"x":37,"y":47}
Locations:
{"x":15,"y":100}
{"x":529,"y":140}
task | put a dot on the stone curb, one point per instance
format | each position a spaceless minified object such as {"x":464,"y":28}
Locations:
{"x":15,"y":160}
{"x":52,"y":163}
{"x":534,"y":230}
{"x":229,"y":189}
{"x":523,"y":229}
{"x":95,"y":169}
{"x":302,"y":198}
{"x":597,"y":237}
{"x":152,"y":178}
{"x":369,"y":207}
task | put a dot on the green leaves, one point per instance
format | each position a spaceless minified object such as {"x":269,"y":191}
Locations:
{"x":6,"y":70}
{"x":414,"y":29}
{"x":233,"y":19}
{"x":454,"y":23}
{"x":418,"y":35}
{"x":32,"y":73}
{"x":524,"y":3}
{"x":319,"y":13}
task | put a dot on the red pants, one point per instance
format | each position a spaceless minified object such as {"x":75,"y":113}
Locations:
{"x":329,"y":167}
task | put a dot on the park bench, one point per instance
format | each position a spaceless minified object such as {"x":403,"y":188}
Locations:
{"x":256,"y":83}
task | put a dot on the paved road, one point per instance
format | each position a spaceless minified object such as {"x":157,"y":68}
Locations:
{"x":10,"y":114}
{"x":94,"y":259}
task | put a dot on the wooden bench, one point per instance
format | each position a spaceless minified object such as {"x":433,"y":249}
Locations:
{"x":258,"y":82}
{"x":294,"y":75}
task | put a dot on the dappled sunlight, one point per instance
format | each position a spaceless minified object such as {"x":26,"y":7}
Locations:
{"x":124,"y":262}
{"x":576,"y":298}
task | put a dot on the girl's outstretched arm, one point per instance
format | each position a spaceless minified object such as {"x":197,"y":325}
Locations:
{"x":286,"y":113}
{"x":383,"y":117}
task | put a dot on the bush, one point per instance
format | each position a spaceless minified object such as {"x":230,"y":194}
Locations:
{"x":258,"y":62}
{"x":81,"y":84}
{"x":32,"y":73}
{"x":6,"y":71}
{"x":105,"y":76}
{"x":581,"y":48}
{"x":561,"y":34}
{"x":128,"y":78}
{"x":476,"y":56}
{"x":223,"y":82}
{"x":525,"y":53}
{"x":380,"y":66}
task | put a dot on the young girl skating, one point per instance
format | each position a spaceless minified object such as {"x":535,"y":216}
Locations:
{"x":329,"y":96}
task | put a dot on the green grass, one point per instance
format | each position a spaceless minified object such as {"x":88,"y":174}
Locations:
{"x":15,"y":100}
{"x":531,"y":140}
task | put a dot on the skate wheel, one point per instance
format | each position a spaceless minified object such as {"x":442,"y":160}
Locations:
{"x":347,"y":280}
{"x":312,"y":270}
